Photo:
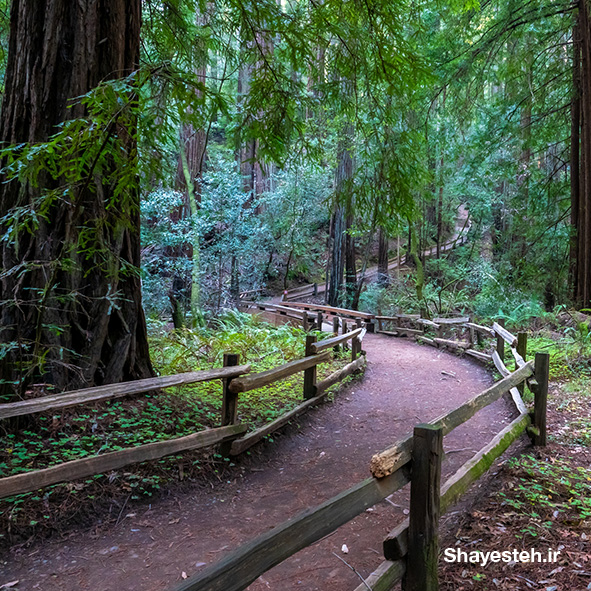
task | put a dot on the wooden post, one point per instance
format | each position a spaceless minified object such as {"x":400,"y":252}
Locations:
{"x":305,"y":325}
{"x":501,"y":342}
{"x":315,"y":292}
{"x":229,"y":400}
{"x":542,"y":371}
{"x":422,"y":558}
{"x":319,"y":320}
{"x":335,"y":332}
{"x":355,"y":342}
{"x":522,"y":350}
{"x":344,"y":330}
{"x":310,"y":373}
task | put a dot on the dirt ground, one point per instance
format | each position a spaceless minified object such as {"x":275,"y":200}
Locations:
{"x":488,"y":522}
{"x":327,"y":451}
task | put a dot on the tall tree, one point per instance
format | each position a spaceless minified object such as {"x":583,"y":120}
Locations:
{"x":581,"y":157}
{"x":70,"y":302}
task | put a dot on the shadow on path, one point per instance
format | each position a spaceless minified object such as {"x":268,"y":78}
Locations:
{"x":326,"y":452}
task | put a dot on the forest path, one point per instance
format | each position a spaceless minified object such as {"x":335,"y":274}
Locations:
{"x":327,"y":451}
{"x":462,"y":226}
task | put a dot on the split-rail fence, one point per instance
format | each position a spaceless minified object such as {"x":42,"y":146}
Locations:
{"x":410,"y":550}
{"x":232,"y":435}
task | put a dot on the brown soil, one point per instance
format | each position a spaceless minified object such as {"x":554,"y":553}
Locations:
{"x":488,"y":523}
{"x":327,"y":451}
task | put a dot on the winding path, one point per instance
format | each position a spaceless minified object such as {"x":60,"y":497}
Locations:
{"x":325,"y":453}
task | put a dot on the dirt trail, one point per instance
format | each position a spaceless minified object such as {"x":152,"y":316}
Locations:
{"x":325,"y":453}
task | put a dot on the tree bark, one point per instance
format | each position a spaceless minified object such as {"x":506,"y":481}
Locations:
{"x":575,"y":188}
{"x":581,"y":179}
{"x":383,"y":275}
{"x":350,"y":265}
{"x":337,"y":262}
{"x":343,"y":245}
{"x":72,"y":315}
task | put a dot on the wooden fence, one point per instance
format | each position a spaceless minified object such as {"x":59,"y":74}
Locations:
{"x":288,"y":314}
{"x":312,"y":316}
{"x":304,"y":291}
{"x":410,"y":550}
{"x":230,"y":434}
{"x":466,"y":337}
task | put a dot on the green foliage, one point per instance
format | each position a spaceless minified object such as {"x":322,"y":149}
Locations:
{"x":547,"y":492}
{"x":265,"y":237}
{"x":570,"y":355}
{"x":87,"y":431}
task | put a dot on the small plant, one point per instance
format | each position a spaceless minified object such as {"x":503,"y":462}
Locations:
{"x":546,"y":491}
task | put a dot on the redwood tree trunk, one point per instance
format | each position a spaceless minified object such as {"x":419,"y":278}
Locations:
{"x":343,"y":248}
{"x":71,"y":318}
{"x":350,"y":265}
{"x":383,"y":273}
{"x":575,"y":189}
{"x":337,"y":261}
{"x":581,"y":182}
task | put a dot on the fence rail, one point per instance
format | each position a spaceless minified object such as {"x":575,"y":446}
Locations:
{"x":471,"y":334}
{"x":231,"y":435}
{"x":412,"y":547}
{"x":111,"y":391}
{"x":303,"y":291}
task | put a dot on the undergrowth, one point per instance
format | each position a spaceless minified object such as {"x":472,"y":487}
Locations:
{"x":48,"y":439}
{"x":545,"y":492}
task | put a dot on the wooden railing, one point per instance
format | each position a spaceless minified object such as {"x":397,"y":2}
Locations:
{"x":304,"y":291}
{"x":467,"y":338}
{"x":410,"y":549}
{"x":312,"y":316}
{"x":340,"y":316}
{"x":307,"y":320}
{"x":231,"y":434}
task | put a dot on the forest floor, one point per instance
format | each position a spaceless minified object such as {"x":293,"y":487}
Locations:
{"x":541,"y":501}
{"x":154,"y":546}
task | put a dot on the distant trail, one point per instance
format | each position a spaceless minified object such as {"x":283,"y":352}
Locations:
{"x":327,"y":451}
{"x":371,"y":273}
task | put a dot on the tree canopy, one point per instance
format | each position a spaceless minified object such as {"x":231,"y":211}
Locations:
{"x":215,"y":147}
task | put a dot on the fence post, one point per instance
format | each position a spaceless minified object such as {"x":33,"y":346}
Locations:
{"x":522,"y":350}
{"x":335,"y":326}
{"x":501,"y":342}
{"x":472,"y":334}
{"x":230,"y":399}
{"x":542,"y":371}
{"x":422,"y":558}
{"x":305,"y":321}
{"x":319,"y":320}
{"x":310,"y":373}
{"x":355,"y":344}
{"x":335,"y":332}
{"x":315,"y":289}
